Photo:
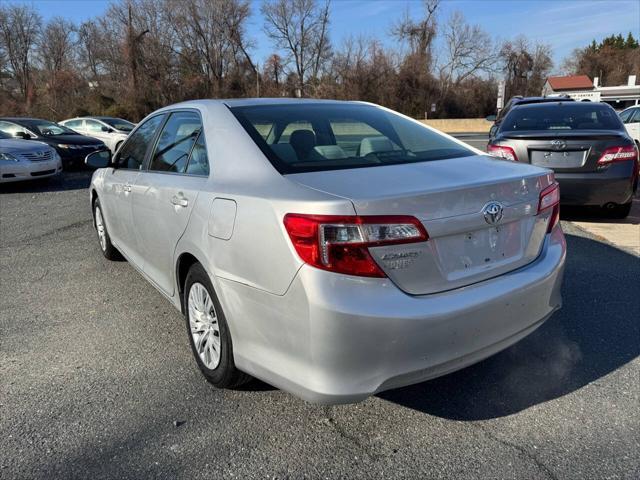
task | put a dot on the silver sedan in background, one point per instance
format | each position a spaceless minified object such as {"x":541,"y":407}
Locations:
{"x":20,"y":160}
{"x":332,"y":249}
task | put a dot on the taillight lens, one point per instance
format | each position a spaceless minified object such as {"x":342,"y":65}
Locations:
{"x":341,"y":243}
{"x":618,"y":154}
{"x":503,"y":152}
{"x":550,"y":199}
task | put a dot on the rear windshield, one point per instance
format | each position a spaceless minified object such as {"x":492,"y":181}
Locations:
{"x":313,"y":137}
{"x":562,"y":116}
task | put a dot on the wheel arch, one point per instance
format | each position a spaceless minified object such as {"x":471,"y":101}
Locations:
{"x":94,"y":197}
{"x":184,"y":262}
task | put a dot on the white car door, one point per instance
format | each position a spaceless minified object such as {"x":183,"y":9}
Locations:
{"x":633,"y":125}
{"x":119,"y":182}
{"x":166,"y":192}
{"x":94,"y":129}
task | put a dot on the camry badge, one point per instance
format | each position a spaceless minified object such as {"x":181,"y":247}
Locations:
{"x":492,"y":212}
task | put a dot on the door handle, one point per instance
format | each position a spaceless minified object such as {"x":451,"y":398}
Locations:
{"x":179,"y":200}
{"x":126,"y":188}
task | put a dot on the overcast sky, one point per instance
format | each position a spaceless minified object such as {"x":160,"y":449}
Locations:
{"x":563,"y":24}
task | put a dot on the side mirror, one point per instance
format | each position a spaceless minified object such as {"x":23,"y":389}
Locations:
{"x":490,"y":118}
{"x":107,"y":129}
{"x":493,"y":130}
{"x":23,"y":135}
{"x":99,"y":159}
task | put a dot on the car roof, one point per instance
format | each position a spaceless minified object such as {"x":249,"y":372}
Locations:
{"x":24,"y":119}
{"x":250,"y":102}
{"x":585,"y":105}
{"x":531,"y":100}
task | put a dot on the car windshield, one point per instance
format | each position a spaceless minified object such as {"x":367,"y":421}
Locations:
{"x":314,"y":137}
{"x":44,"y":128}
{"x":119,"y":124}
{"x":562,"y":116}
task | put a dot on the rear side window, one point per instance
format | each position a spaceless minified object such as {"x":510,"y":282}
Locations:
{"x":131,"y":155}
{"x":562,"y":116}
{"x":314,"y":137}
{"x":198,"y":161}
{"x":175,"y":143}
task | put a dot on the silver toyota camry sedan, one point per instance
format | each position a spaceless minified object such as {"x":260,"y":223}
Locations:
{"x":332,"y":249}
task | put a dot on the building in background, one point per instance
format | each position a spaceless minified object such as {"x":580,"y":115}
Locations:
{"x":581,"y":88}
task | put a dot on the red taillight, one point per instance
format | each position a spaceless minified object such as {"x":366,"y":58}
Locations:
{"x":550,"y":199}
{"x":341,"y":243}
{"x":618,"y":154}
{"x":503,"y":152}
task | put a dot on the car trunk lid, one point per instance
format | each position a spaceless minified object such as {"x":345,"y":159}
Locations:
{"x":566,"y":151}
{"x":448,"y":197}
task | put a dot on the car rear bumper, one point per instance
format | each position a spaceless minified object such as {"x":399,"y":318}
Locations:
{"x":337,"y":339}
{"x":23,"y":170}
{"x":613,"y":185}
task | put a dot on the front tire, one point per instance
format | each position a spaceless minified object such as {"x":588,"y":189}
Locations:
{"x":208,"y":332}
{"x":104,"y":240}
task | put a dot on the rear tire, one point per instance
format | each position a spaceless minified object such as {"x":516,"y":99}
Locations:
{"x":619,"y":211}
{"x":104,"y":240}
{"x":208,"y":331}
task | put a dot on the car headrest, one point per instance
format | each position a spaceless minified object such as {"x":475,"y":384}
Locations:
{"x":375,"y":144}
{"x":285,"y":152}
{"x":302,"y":142}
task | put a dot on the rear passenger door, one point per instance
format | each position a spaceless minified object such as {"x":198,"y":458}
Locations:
{"x":166,"y":191}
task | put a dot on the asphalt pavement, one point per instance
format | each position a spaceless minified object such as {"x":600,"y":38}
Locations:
{"x":97,"y":379}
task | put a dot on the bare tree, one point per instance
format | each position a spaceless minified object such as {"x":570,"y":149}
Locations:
{"x":18,"y":33}
{"x":300,"y":28}
{"x":419,"y":33}
{"x":525,"y":67}
{"x":55,"y":49}
{"x":468,"y":51}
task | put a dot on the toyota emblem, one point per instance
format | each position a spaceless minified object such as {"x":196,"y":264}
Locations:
{"x":492,"y":212}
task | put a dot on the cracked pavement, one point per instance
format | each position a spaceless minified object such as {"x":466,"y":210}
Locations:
{"x":96,"y":373}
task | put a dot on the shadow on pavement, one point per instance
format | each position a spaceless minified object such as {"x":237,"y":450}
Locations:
{"x":596,"y":332}
{"x":66,"y":181}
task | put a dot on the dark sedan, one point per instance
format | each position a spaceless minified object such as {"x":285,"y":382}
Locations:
{"x":71,"y":146}
{"x":584,"y":143}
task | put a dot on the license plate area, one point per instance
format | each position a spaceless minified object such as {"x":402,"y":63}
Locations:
{"x":473,"y":252}
{"x":561,"y":159}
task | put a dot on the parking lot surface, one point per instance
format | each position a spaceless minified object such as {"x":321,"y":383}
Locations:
{"x":98,"y":381}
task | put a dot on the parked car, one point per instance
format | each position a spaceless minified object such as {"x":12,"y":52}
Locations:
{"x":520,"y":100}
{"x":631,"y":119}
{"x":584,"y":143}
{"x":332,"y":249}
{"x":112,"y":131}
{"x":71,"y":146}
{"x":26,"y":161}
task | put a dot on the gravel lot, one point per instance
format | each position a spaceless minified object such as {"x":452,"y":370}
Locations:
{"x":97,"y":379}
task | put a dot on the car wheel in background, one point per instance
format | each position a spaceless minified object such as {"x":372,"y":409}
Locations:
{"x":106,"y":247}
{"x":208,"y":332}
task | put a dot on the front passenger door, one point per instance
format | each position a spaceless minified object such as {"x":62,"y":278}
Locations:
{"x":166,"y":192}
{"x":119,"y":182}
